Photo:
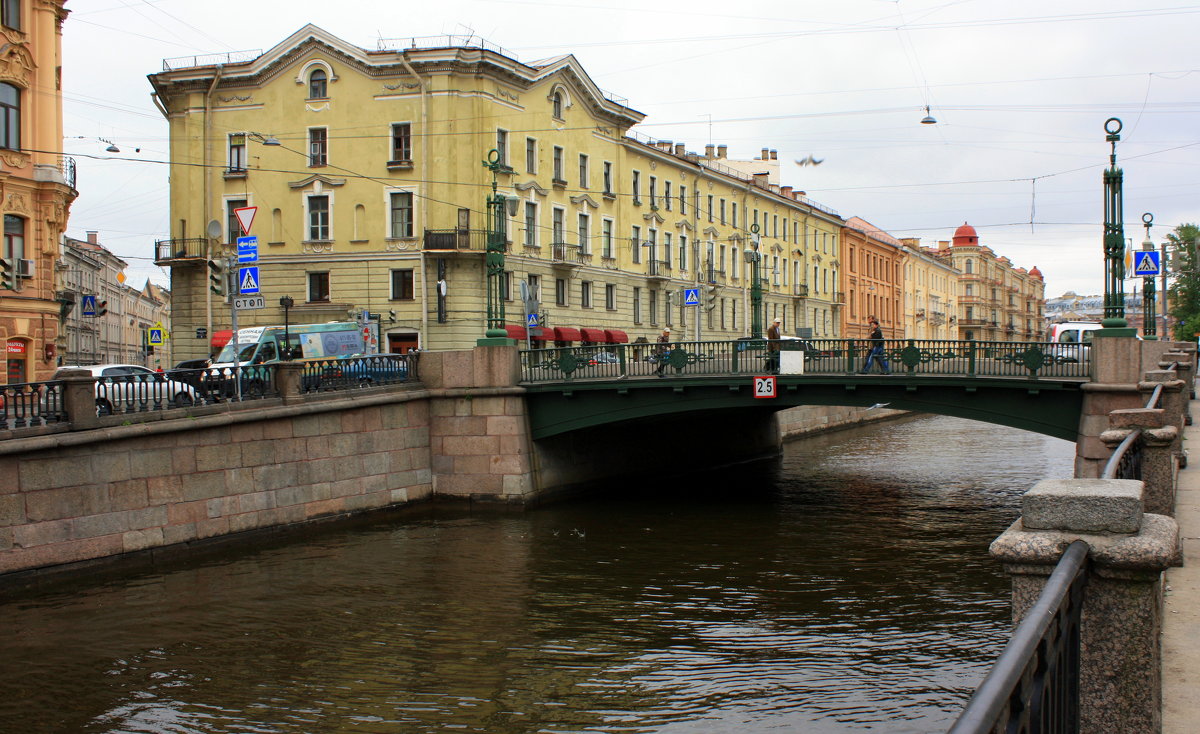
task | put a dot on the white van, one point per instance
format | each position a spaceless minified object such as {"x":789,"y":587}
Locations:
{"x":1076,"y":336}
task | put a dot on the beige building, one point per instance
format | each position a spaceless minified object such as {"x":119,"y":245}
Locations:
{"x":997,"y":302}
{"x":37,"y":185}
{"x":930,"y":295}
{"x":366,"y":169}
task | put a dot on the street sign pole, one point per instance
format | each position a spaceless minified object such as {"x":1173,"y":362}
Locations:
{"x":237,"y":349}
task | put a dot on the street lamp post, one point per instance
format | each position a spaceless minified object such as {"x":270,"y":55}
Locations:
{"x":1114,"y":240}
{"x":754,"y":258}
{"x":497,"y":205}
{"x":287,"y":303}
{"x":1149,"y":315}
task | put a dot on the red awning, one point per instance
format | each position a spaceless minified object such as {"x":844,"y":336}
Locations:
{"x":567,"y":334}
{"x":515,"y":332}
{"x":542,"y":334}
{"x":221,"y":338}
{"x":596,"y":336}
{"x":616,"y":336}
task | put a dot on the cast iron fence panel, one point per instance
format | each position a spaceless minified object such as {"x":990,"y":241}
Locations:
{"x":1034,"y":686}
{"x":821,"y":357}
{"x":326,"y":375}
{"x":26,"y":404}
{"x":141,"y":393}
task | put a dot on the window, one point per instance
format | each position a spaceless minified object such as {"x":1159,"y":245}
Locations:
{"x":318,"y":146}
{"x":667,"y":194}
{"x":10,"y":116}
{"x":683,"y":258}
{"x":556,"y":105}
{"x":610,"y":297}
{"x":402,"y":285}
{"x":606,"y":238}
{"x":401,"y":205}
{"x":318,"y":84}
{"x":10,"y":10}
{"x":733,"y":214}
{"x":653,"y":306}
{"x":710,"y":207}
{"x":666,"y":256}
{"x":506,"y":291}
{"x":560,"y":291}
{"x":237,"y":152}
{"x":636,"y":240}
{"x":683,"y":199}
{"x":557,"y":227}
{"x":585,"y":234}
{"x":502,"y":147}
{"x":530,"y":155}
{"x":233,"y":225}
{"x":722,"y":211}
{"x":585,"y":294}
{"x":402,"y":141}
{"x":318,"y":218}
{"x":14,"y":237}
{"x":637,"y":187}
{"x":583,"y":171}
{"x":558,"y":164}
{"x":530,"y":224}
{"x":318,"y":287}
{"x":608,"y":177}
{"x":637,"y":305}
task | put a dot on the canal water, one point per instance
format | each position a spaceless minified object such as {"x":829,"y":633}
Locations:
{"x":845,"y":587}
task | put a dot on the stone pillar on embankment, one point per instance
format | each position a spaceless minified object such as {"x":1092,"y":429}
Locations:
{"x":1119,"y":369}
{"x":1120,"y":651}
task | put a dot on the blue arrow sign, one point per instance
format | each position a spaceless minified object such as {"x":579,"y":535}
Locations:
{"x":691,"y":296}
{"x":89,"y":305}
{"x":248,"y":281}
{"x":247,"y":249}
{"x":1145,"y":262}
{"x":531,"y":320}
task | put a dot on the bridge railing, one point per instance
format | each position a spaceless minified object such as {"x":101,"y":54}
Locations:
{"x":821,"y":357}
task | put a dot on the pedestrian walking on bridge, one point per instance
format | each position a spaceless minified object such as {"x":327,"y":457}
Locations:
{"x":876,"y":353}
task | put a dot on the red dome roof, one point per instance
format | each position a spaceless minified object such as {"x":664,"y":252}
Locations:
{"x":1035,"y":273}
{"x":965,"y":236}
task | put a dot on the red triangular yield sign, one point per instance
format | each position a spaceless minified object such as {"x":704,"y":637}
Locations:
{"x":245,"y":217}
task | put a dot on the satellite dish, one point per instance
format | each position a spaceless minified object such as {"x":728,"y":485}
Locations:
{"x":214,"y":230}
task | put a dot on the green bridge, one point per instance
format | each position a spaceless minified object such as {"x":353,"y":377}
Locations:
{"x":1032,"y":386}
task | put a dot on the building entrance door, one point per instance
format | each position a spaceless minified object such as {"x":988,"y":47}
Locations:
{"x":401,"y":343}
{"x":16,"y":352}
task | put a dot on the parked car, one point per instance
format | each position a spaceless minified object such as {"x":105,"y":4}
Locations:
{"x":189,"y":371}
{"x":126,"y":388}
{"x":603,"y":358}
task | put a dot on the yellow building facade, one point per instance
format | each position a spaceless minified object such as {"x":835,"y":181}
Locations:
{"x":366,"y":169}
{"x":37,"y":184}
{"x":930,"y":295}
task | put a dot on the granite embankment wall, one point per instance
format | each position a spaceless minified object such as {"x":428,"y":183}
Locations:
{"x":796,"y":423}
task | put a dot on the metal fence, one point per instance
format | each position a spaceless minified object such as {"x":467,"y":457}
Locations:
{"x":1034,"y":686}
{"x":820,"y":357}
{"x":28,"y":404}
{"x":1126,"y":459}
{"x":323,"y":375}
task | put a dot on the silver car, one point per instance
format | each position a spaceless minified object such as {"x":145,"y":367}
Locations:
{"x":131,"y":388}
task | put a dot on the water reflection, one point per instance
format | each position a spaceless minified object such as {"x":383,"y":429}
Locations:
{"x":845,"y":587}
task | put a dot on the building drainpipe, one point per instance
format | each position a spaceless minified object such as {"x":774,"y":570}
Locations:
{"x":208,"y":189}
{"x":422,"y":340}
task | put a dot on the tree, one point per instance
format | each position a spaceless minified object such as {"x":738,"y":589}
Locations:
{"x":1184,"y":291}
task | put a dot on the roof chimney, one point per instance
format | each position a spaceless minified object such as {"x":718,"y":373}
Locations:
{"x":722,"y":150}
{"x":709,"y":150}
{"x":680,"y":149}
{"x":766,"y":154}
{"x":93,"y":238}
{"x":786,"y":191}
{"x":774,"y":155}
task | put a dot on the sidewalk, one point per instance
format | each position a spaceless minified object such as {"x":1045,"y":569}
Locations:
{"x":1181,"y":623}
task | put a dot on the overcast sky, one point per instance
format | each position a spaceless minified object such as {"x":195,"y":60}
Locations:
{"x":1021,"y":91}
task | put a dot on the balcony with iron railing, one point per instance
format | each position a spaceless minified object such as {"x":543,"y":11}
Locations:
{"x":800,"y":290}
{"x":460,"y":240}
{"x":180,"y":250}
{"x":564,"y":255}
{"x":658,"y":269}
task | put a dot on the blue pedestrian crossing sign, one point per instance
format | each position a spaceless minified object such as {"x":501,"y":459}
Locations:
{"x":531,"y":320}
{"x":154,"y":337}
{"x":1145,"y":262}
{"x":248,"y":281}
{"x":89,"y":305}
{"x":691,"y":296}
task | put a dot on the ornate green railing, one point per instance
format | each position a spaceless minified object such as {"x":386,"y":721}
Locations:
{"x":819,"y":357}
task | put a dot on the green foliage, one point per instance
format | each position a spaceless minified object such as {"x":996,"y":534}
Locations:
{"x":1184,"y":292}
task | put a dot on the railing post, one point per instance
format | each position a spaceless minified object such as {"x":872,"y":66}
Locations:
{"x":79,"y":399}
{"x":1158,"y":459}
{"x":1174,"y":402}
{"x":288,"y":377}
{"x":971,"y":348}
{"x":1120,"y":655}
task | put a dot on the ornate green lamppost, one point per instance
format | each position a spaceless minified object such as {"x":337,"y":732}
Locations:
{"x":1114,"y":239}
{"x":494,"y":257}
{"x":754,"y":259}
{"x":1149,"y":317}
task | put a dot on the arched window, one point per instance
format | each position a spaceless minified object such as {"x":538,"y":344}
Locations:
{"x":10,"y":116}
{"x":318,"y":84}
{"x":557,"y":101}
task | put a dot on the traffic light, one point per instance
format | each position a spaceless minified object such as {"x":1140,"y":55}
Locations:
{"x":101,"y":308}
{"x":216,"y":277}
{"x":710,"y":295}
{"x":8,"y":274}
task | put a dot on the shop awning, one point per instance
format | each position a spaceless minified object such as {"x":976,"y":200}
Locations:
{"x":596,"y":336}
{"x":616,"y":336}
{"x":221,"y":338}
{"x":515,"y":331}
{"x":567,"y":334}
{"x":542,"y":334}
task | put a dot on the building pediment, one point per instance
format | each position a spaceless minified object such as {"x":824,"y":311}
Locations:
{"x":685,"y":224}
{"x":531,"y":185}
{"x":653,"y":217}
{"x":317,"y":181}
{"x":585,"y":200}
{"x":712,"y":232}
